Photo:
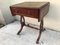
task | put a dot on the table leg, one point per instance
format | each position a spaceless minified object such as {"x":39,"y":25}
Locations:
{"x":22,"y":21}
{"x":40,"y":31}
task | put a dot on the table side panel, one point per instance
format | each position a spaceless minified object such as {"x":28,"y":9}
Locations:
{"x":44,"y":10}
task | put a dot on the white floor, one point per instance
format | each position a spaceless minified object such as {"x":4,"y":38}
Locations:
{"x":27,"y":37}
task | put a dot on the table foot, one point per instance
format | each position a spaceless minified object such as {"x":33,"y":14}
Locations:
{"x":37,"y":42}
{"x":40,"y":31}
{"x":22,"y":24}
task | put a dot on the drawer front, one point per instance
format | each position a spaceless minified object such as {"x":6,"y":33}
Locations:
{"x":34,"y":13}
{"x":14,"y":11}
{"x":29,"y":12}
{"x":24,"y":11}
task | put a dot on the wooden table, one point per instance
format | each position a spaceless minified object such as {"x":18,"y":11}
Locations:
{"x":31,"y":9}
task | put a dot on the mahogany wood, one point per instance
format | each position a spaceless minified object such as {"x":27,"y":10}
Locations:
{"x":31,"y":9}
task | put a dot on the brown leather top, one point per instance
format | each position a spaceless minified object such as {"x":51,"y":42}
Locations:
{"x":31,"y":4}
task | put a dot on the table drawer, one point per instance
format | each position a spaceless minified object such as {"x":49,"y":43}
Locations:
{"x":14,"y":10}
{"x":29,"y":12}
{"x":34,"y":13}
{"x":24,"y":11}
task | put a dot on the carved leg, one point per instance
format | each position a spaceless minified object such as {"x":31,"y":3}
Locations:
{"x":40,"y":31}
{"x":22,"y":21}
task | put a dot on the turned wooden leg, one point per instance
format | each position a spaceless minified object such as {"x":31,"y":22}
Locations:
{"x":22,"y":21}
{"x":40,"y":31}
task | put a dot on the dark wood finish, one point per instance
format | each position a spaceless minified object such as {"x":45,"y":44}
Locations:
{"x":31,"y":9}
{"x":40,"y":31}
{"x":25,"y":12}
{"x":22,"y":21}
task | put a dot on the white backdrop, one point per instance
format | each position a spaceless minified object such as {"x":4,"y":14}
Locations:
{"x":4,"y":6}
{"x":2,"y":21}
